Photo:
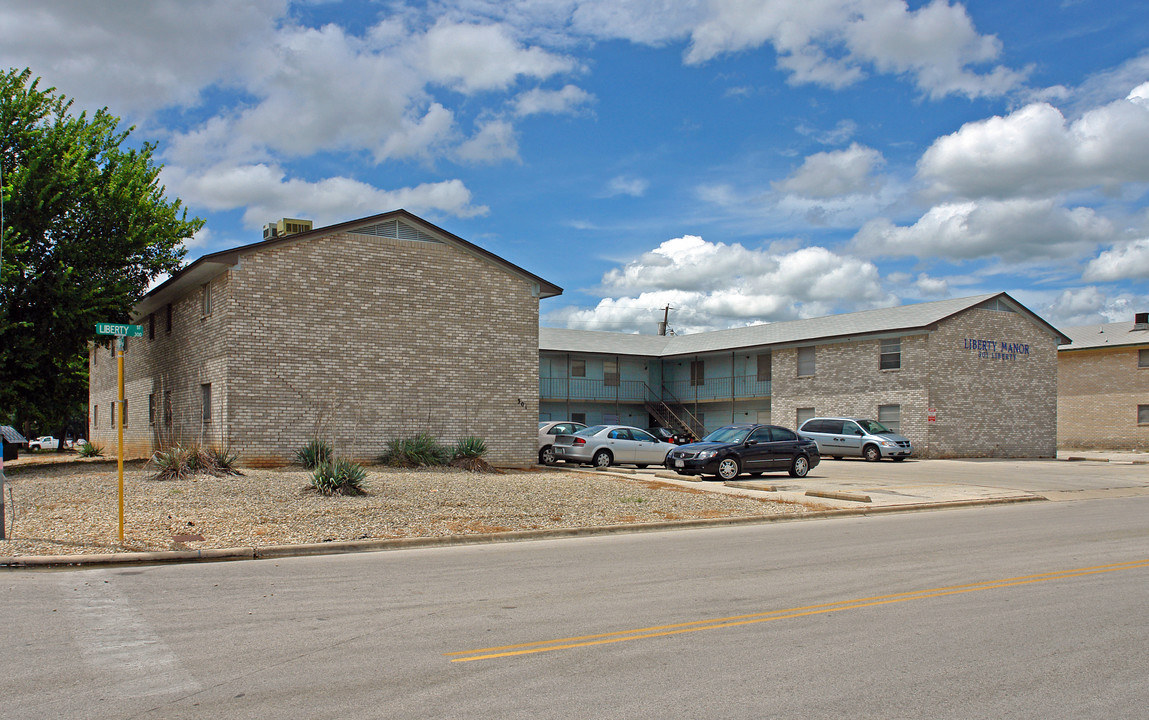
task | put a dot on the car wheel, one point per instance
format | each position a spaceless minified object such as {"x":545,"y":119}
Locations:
{"x":898,"y":459}
{"x":728,"y":469}
{"x":547,"y":455}
{"x":800,"y":467}
{"x":602,"y":458}
{"x":872,"y":453}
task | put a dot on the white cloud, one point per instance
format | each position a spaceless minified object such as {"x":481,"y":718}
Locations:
{"x":1036,"y":151}
{"x":267,"y":194}
{"x":1013,"y":230}
{"x":554,"y":102}
{"x":834,"y":174}
{"x":842,"y":131}
{"x":1122,"y":262}
{"x":627,"y":185}
{"x":494,"y":141}
{"x":1091,"y":306}
{"x":714,"y":285}
{"x":473,"y":58}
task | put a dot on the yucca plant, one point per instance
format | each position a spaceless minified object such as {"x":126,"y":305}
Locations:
{"x":90,"y":450}
{"x":220,"y":461}
{"x":314,"y":453}
{"x":419,"y":451}
{"x":339,"y":477}
{"x":468,"y":454}
{"x":174,"y":463}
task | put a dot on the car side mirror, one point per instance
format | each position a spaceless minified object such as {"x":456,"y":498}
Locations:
{"x":751,"y":442}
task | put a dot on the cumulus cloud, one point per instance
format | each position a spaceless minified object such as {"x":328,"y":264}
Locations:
{"x":266,"y":194}
{"x":1037,"y":151}
{"x":715,"y":285}
{"x":833,"y":174}
{"x":471,"y":58}
{"x":495,"y":141}
{"x":1121,"y":262}
{"x":1092,"y":306}
{"x":1012,"y":230}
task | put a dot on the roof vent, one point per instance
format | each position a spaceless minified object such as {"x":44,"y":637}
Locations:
{"x":286,"y":226}
{"x":1141,"y":321}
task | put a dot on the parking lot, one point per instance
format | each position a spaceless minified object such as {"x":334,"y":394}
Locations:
{"x":852,"y":483}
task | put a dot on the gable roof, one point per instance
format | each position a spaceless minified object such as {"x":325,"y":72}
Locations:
{"x":1091,"y":337}
{"x":209,"y":266}
{"x":918,"y":317}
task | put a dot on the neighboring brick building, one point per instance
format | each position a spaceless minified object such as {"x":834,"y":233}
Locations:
{"x":357,"y":333}
{"x":972,"y":376}
{"x":1103,"y":386}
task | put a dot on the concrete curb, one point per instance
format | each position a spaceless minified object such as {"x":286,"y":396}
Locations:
{"x":350,"y":546}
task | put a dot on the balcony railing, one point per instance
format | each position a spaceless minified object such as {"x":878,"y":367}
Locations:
{"x":717,"y":388}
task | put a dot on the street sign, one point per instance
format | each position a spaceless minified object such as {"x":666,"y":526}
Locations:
{"x":121,"y":330}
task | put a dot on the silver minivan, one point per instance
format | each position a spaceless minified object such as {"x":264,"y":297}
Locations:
{"x":843,"y":437}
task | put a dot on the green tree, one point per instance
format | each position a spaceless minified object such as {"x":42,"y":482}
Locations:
{"x":86,"y":229}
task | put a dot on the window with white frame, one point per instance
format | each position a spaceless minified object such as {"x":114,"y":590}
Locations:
{"x":1143,"y":358}
{"x":578,"y":367}
{"x":1143,"y":414}
{"x":891,"y":354}
{"x":206,"y":299}
{"x":806,"y":365}
{"x":891,"y":416}
{"x":610,"y":376}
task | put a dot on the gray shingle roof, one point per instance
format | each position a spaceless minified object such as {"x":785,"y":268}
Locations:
{"x":12,"y":435}
{"x":1120,"y":334}
{"x":868,"y":322}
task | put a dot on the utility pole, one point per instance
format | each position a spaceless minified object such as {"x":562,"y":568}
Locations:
{"x":665,"y":320}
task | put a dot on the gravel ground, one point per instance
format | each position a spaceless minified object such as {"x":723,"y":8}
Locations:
{"x":72,"y":507}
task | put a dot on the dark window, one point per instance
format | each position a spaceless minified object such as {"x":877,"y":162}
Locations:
{"x":1143,"y":414}
{"x":610,"y":376}
{"x":891,"y":354}
{"x":780,"y":434}
{"x":113,"y":413}
{"x":806,"y":365}
{"x":205,"y":395}
{"x":760,"y":435}
{"x":125,"y":413}
{"x":151,"y":326}
{"x":697,"y":372}
{"x":152,"y":409}
{"x":169,"y":313}
{"x":1143,"y":358}
{"x":95,"y":416}
{"x":764,"y":367}
{"x":579,"y":418}
{"x":205,"y":299}
{"x":814,"y":426}
{"x":578,"y":367}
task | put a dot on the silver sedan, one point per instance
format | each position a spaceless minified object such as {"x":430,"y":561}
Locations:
{"x":606,"y":445}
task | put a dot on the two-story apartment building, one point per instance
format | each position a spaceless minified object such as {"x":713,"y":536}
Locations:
{"x":973,"y":376}
{"x":357,"y":333}
{"x":1103,"y":386}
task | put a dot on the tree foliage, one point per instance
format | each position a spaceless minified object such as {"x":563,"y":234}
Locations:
{"x":87,"y":227}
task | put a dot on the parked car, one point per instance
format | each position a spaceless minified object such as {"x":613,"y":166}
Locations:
{"x":668,"y":435}
{"x":606,"y":445}
{"x":753,"y":449}
{"x":842,"y":437}
{"x":43,"y":442}
{"x":548,"y":431}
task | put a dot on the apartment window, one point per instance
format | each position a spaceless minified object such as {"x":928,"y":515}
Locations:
{"x":167,"y":407}
{"x":205,"y":298}
{"x":1143,"y":358}
{"x":169,"y":313}
{"x":205,"y":397}
{"x":697,"y":372}
{"x":805,"y":361}
{"x":610,"y":373}
{"x":578,"y":367}
{"x":125,"y":403}
{"x":1143,"y":414}
{"x":113,"y":409}
{"x":151,"y":326}
{"x":95,"y":416}
{"x":891,"y":354}
{"x":152,"y":409}
{"x":802,"y":415}
{"x":578,"y":418}
{"x":764,"y":367}
{"x":891,"y":416}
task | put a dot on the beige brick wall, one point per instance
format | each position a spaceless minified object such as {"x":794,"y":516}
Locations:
{"x":1002,"y":408}
{"x":354,"y":339}
{"x":1098,"y":392}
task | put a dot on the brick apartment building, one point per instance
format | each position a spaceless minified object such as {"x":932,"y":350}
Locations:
{"x":357,"y":333}
{"x":1103,"y":386}
{"x":973,"y":376}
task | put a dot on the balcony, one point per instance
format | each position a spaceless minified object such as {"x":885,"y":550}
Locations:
{"x":740,"y":387}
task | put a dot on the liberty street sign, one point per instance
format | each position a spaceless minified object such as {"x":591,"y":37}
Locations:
{"x":120,"y":330}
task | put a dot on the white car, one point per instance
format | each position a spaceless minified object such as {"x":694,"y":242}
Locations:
{"x":548,"y":431}
{"x":606,"y":445}
{"x":43,"y":442}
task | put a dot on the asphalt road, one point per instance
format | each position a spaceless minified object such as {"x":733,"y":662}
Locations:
{"x":1036,"y":610}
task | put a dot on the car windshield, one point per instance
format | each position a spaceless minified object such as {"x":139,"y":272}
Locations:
{"x":727,"y":435}
{"x":873,"y":427}
{"x":592,"y":430}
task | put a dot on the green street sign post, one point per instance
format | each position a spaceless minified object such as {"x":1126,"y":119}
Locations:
{"x":120,"y":331}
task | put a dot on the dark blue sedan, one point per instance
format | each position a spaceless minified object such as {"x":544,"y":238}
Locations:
{"x":752,"y":449}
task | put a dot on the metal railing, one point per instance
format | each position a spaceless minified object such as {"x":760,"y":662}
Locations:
{"x":680,"y":392}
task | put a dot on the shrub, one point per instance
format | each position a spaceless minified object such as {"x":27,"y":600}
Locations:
{"x":419,"y":451}
{"x":314,"y":453}
{"x":338,"y":477}
{"x":178,"y":462}
{"x":470,"y":447}
{"x":90,"y":450}
{"x":221,"y":461}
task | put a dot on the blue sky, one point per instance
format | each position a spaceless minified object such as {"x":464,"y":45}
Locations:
{"x":742,"y":161}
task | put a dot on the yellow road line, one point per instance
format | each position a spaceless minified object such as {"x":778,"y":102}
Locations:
{"x":736,"y":620}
